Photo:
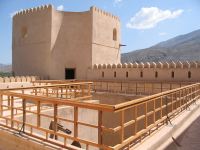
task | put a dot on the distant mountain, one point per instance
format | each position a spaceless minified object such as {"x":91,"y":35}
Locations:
{"x":5,"y":68}
{"x":183,"y":47}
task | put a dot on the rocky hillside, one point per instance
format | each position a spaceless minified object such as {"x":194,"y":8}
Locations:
{"x":5,"y":68}
{"x":183,"y":47}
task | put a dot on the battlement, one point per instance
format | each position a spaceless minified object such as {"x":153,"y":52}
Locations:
{"x":33,"y":10}
{"x":168,"y":65}
{"x":102,"y":12}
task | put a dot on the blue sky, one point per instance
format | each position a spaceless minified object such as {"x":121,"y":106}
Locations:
{"x":143,"y":22}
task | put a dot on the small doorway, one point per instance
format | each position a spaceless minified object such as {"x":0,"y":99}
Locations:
{"x":69,"y":73}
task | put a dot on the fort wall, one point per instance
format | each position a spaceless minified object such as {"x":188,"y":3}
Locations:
{"x":31,"y":41}
{"x":174,"y":71}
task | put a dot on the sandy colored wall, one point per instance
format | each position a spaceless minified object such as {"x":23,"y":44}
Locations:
{"x":71,"y":43}
{"x":148,"y":74}
{"x":104,"y":48}
{"x":31,"y":52}
{"x":56,"y":40}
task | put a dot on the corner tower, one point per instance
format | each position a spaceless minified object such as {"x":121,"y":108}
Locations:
{"x":31,"y":40}
{"x":106,"y":37}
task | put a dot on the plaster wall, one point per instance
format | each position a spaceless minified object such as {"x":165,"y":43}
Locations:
{"x":71,"y":43}
{"x":164,"y":74}
{"x":104,"y":48}
{"x":31,"y":42}
{"x":55,"y":40}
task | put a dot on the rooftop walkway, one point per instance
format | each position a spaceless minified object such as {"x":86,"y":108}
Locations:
{"x":182,"y":134}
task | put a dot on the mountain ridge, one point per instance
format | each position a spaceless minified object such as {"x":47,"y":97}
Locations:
{"x":180,"y":48}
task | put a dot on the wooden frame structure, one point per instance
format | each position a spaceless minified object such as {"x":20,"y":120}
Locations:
{"x":145,"y":114}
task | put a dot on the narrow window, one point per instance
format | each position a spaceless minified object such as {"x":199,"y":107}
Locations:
{"x":115,"y":74}
{"x":141,"y":74}
{"x":156,"y":74}
{"x":189,"y":74}
{"x":24,"y":32}
{"x":172,"y":74}
{"x":102,"y":74}
{"x":127,"y":74}
{"x":115,"y":34}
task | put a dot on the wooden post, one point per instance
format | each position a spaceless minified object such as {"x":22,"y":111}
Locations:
{"x":38,"y":113}
{"x":161,"y":109}
{"x":154,"y":111}
{"x":75,"y":91}
{"x":55,"y":119}
{"x":121,"y":87}
{"x":66,"y":92}
{"x":61,"y":91}
{"x":75,"y":122}
{"x":122,"y":126}
{"x":8,"y":100}
{"x":172,"y":97}
{"x":100,"y":121}
{"x":12,"y":111}
{"x":57,"y":89}
{"x":1,"y":102}
{"x":145,"y":111}
{"x":181,"y":100}
{"x":135,"y":112}
{"x":152,"y":88}
{"x":35,"y":91}
{"x":136,"y":88}
{"x":89,"y":89}
{"x":82,"y":90}
{"x":24,"y":112}
{"x":47,"y":91}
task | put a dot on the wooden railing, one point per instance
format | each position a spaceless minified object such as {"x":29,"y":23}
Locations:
{"x":92,"y":124}
{"x":149,"y":112}
{"x":136,"y":87}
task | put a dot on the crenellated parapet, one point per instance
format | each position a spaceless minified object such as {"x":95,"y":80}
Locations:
{"x":103,"y":13}
{"x":33,"y":10}
{"x":155,"y":65}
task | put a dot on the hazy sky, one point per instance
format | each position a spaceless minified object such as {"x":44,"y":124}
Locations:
{"x":143,"y":22}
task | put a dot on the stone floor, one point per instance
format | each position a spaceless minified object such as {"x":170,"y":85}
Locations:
{"x":189,"y":140}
